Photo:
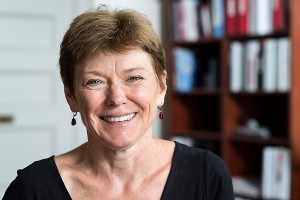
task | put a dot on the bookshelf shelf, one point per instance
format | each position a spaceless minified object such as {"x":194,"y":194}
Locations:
{"x":260,"y":94}
{"x":201,"y":41}
{"x":200,"y":92}
{"x":252,"y":36}
{"x":260,"y":141}
{"x":211,"y":115}
{"x":205,"y":135}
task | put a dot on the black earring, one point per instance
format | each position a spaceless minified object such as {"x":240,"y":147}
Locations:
{"x":161,"y":114}
{"x":73,"y":122}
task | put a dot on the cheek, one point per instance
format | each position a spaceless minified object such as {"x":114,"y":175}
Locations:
{"x":146,"y":95}
{"x":88,"y":105}
{"x":89,"y":102}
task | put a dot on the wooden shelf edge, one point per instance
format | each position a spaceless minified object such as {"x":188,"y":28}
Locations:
{"x":198,"y":92}
{"x":258,"y":140}
{"x":205,"y":135}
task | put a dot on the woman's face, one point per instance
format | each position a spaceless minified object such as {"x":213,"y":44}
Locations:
{"x":117,"y":96}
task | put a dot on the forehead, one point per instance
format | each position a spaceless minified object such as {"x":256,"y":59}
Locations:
{"x":113,"y":60}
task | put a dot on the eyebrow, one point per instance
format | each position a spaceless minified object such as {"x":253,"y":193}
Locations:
{"x":95,"y":72}
{"x":134,"y":69}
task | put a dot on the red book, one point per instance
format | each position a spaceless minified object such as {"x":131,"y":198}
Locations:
{"x":243,"y":16}
{"x":231,"y":17}
{"x":278,"y":15}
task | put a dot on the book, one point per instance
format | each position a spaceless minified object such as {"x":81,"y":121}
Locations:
{"x":231,"y":17}
{"x":252,"y":23}
{"x":276,"y":173}
{"x":176,"y":14}
{"x":284,"y":172}
{"x":210,"y":75}
{"x":267,"y":172}
{"x":264,"y":17}
{"x":252,"y":50}
{"x":269,"y":65}
{"x":278,"y":15}
{"x":235,"y":66}
{"x":218,"y":18}
{"x":206,"y":20}
{"x":185,"y":20}
{"x":190,"y":20}
{"x":185,"y":68}
{"x":283,"y":65}
{"x":243,"y":16}
{"x":199,"y":21}
{"x":286,"y":14}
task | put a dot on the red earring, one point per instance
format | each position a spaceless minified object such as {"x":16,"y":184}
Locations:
{"x":161,"y":114}
{"x":73,"y":122}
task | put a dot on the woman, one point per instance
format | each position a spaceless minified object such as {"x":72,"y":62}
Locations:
{"x":113,"y":69}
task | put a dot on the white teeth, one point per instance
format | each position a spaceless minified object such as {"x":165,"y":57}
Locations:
{"x":119,"y":119}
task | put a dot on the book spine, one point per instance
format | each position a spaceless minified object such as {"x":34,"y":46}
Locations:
{"x":190,"y":20}
{"x":218,"y":18}
{"x":252,"y":25}
{"x":231,"y":17}
{"x":267,"y":171}
{"x":252,"y":65}
{"x":185,"y":67}
{"x":235,"y":66}
{"x":206,"y":19}
{"x":264,"y":18}
{"x":284,"y":65}
{"x":276,"y":173}
{"x":243,"y":13}
{"x":269,"y":65}
{"x":278,"y":15}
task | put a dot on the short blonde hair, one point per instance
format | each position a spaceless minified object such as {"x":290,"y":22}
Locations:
{"x":104,"y":30}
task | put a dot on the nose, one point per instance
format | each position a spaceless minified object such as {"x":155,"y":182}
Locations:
{"x":116,"y":94}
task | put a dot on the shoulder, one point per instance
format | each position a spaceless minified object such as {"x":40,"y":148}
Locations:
{"x":37,"y":172}
{"x":38,"y":169}
{"x":196,"y":160}
{"x":31,"y":177}
{"x":197,"y":155}
{"x":200,"y":158}
{"x":206,"y":167}
{"x":39,"y":180}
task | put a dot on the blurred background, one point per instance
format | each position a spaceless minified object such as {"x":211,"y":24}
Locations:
{"x":233,"y":85}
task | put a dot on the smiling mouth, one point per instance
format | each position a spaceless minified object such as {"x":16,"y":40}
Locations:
{"x":119,"y":119}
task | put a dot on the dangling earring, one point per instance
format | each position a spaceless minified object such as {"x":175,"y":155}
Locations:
{"x":161,"y":114}
{"x":73,"y":122}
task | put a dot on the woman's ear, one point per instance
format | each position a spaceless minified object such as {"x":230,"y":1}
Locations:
{"x":163,"y":90}
{"x":164,"y":79}
{"x":71,"y":99}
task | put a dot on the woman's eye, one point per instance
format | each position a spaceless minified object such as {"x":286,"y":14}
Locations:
{"x":134,"y":78}
{"x":93,"y":83}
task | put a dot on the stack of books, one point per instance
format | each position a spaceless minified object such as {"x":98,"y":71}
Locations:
{"x":260,"y":65}
{"x":256,"y":17}
{"x":194,"y":20}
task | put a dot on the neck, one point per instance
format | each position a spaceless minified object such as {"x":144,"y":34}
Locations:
{"x":124,"y":164}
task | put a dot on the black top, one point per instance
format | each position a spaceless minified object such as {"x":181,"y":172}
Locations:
{"x":196,"y":174}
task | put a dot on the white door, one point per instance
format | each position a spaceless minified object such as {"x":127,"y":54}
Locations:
{"x":34,"y":116}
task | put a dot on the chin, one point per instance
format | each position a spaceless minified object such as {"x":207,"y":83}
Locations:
{"x":120,"y":144}
{"x":126,"y":143}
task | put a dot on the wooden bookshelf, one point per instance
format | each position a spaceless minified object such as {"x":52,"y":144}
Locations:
{"x":211,"y":115}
